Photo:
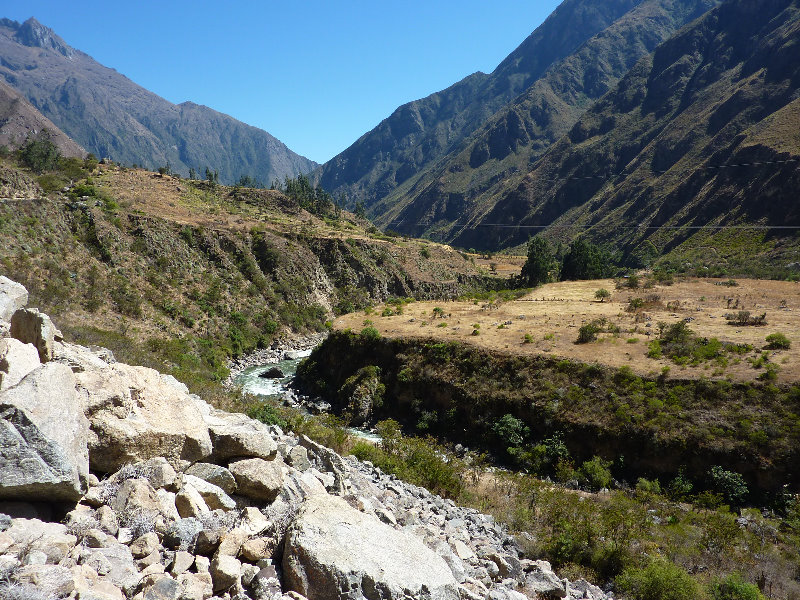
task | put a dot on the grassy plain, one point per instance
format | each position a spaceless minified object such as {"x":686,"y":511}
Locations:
{"x":552,"y":315}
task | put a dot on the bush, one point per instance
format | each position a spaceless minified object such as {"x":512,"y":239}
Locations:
{"x":729,"y":484}
{"x":268,"y":414}
{"x":602,"y":294}
{"x":587,"y":333}
{"x":733,"y":587}
{"x":370,"y":333}
{"x":595,"y":473}
{"x":660,"y":580}
{"x":778,"y":341}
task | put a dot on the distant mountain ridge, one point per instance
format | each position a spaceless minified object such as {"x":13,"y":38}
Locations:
{"x":20,"y":121}
{"x":113,"y":117}
{"x":574,"y":57}
{"x":703,"y":133}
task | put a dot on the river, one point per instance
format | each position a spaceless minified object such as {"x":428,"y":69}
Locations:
{"x":279,"y":389}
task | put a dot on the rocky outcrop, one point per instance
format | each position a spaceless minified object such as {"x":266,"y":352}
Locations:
{"x":43,"y":436}
{"x":13,"y":296}
{"x":196,"y":503}
{"x":16,"y":361}
{"x":30,"y":326}
{"x":333,"y":550}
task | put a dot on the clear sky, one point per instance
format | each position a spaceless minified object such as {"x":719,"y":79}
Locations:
{"x":316,"y":74}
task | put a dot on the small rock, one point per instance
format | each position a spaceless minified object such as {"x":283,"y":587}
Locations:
{"x":219,"y":476}
{"x":145,"y":545}
{"x":225,"y":572}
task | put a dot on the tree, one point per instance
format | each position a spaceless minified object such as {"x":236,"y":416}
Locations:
{"x":192,"y":173}
{"x":536,"y":269}
{"x":585,"y":260}
{"x":602,"y":294}
{"x":40,"y":154}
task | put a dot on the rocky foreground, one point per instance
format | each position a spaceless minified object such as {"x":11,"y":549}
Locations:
{"x":116,"y":482}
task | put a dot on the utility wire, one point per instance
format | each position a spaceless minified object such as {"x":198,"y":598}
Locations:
{"x":642,"y":226}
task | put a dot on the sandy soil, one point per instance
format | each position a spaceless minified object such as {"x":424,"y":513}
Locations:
{"x":552,"y":315}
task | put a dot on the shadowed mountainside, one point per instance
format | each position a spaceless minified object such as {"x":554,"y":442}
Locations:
{"x":19,"y":121}
{"x":723,"y":92}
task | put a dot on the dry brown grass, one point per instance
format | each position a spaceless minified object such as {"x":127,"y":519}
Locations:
{"x":552,"y":315}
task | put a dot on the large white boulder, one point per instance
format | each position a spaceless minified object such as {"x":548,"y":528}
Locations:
{"x":135,"y":414}
{"x":13,"y":296}
{"x":16,"y":361}
{"x":43,"y":437}
{"x":30,"y":326}
{"x":334,"y":551}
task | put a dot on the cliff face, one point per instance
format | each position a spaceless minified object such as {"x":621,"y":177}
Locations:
{"x":461,"y":393}
{"x":20,"y":121}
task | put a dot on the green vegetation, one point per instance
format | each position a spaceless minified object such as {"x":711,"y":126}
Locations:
{"x":778,"y":341}
{"x":511,"y":406}
{"x":539,"y":264}
{"x":602,"y":294}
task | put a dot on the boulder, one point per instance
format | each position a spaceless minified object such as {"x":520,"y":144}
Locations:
{"x":136,"y":415}
{"x":16,"y":361}
{"x":225,"y":572}
{"x":44,"y":435}
{"x":219,"y":476}
{"x":272,"y":373}
{"x":334,"y":551}
{"x":236,"y":435}
{"x":30,"y":326}
{"x":190,"y":503}
{"x":540,"y":579}
{"x":258,"y":479}
{"x":80,"y":359}
{"x":213,"y":496}
{"x":13,"y":296}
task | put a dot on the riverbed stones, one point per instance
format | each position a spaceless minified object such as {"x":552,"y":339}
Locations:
{"x":136,"y":415}
{"x":258,"y":479}
{"x":334,"y":551}
{"x":44,"y":435}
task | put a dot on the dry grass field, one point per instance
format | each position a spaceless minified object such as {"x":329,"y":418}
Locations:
{"x":551,"y":316}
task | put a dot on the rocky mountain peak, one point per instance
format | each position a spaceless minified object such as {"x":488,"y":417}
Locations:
{"x":33,"y":33}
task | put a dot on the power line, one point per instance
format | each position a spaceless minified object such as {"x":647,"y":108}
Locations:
{"x":642,"y":226}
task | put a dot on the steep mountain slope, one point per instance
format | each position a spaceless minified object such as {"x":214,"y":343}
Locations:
{"x":19,"y":121}
{"x":419,"y":132}
{"x":112,"y":116}
{"x":513,"y":138}
{"x":724,"y":92}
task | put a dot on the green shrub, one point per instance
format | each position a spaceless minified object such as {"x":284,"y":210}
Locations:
{"x":587,"y":333}
{"x":778,"y":341}
{"x":267,"y":413}
{"x":660,"y":580}
{"x":527,"y":339}
{"x":595,"y":473}
{"x":729,"y":484}
{"x":733,"y":587}
{"x":602,"y":294}
{"x":370,"y":333}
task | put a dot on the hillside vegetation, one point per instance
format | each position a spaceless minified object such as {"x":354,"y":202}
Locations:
{"x":700,"y":134}
{"x":184,"y":274}
{"x":386,"y":160}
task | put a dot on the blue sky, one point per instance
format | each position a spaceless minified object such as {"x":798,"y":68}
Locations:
{"x":315,"y":74}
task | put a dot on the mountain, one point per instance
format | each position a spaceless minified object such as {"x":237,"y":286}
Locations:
{"x":574,"y":57}
{"x":113,"y":117}
{"x":703,"y":133}
{"x":19,"y":121}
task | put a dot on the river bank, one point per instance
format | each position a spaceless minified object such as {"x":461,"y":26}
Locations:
{"x":285,"y":348}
